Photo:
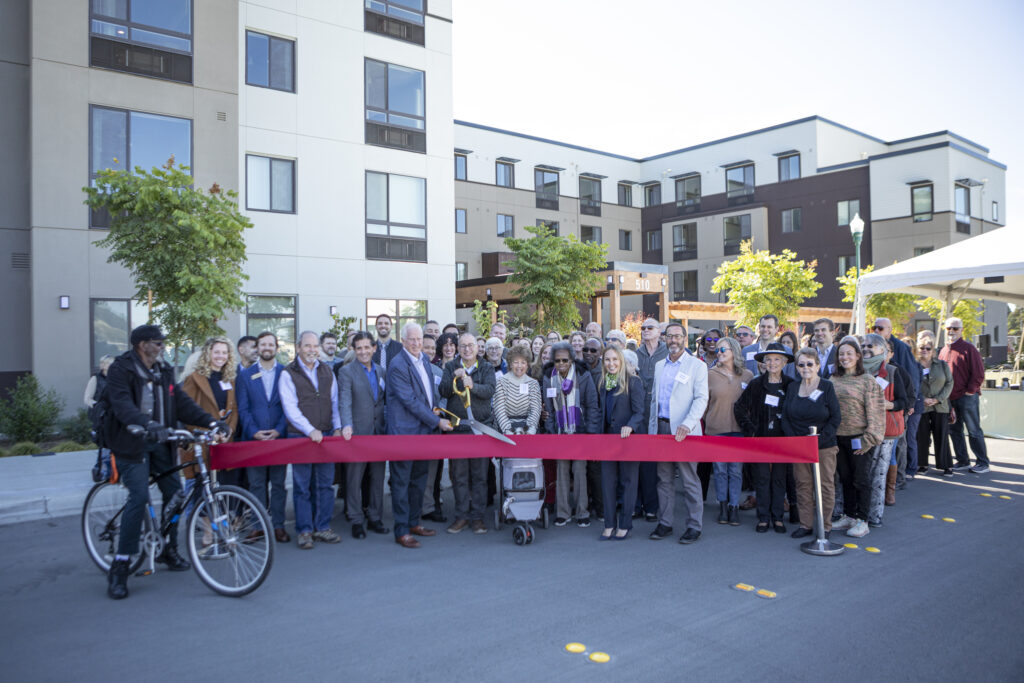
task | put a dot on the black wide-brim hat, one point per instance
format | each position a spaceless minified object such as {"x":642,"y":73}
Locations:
{"x":776,"y":348}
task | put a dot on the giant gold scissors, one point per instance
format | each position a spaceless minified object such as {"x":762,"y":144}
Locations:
{"x":477,"y":427}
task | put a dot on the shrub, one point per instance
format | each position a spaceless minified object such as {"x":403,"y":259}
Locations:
{"x":77,"y":428}
{"x":72,"y":446}
{"x":29,"y":412}
{"x":24,"y":448}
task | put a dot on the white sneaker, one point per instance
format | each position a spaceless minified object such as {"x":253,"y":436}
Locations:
{"x":858,"y":530}
{"x":844,"y":522}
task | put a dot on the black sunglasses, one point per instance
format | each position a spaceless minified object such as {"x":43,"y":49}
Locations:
{"x":711,"y":340}
{"x":878,"y":327}
{"x":805,"y":365}
{"x":925,"y":348}
{"x":648,"y":328}
{"x":586,"y":350}
{"x":559,"y":361}
{"x":952,"y":328}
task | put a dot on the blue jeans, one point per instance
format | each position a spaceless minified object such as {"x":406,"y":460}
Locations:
{"x":135,"y":477}
{"x":912,"y":424}
{"x":967,"y":414}
{"x":408,"y":482}
{"x":312,"y":484}
{"x":258,"y":479}
{"x":728,"y":478}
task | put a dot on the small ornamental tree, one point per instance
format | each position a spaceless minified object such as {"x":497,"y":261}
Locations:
{"x":183,"y":246}
{"x":759,"y":283}
{"x":968,"y":310}
{"x":897,"y":307}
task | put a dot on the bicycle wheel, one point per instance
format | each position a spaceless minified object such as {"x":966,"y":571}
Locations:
{"x":101,"y":524}
{"x":231,"y":546}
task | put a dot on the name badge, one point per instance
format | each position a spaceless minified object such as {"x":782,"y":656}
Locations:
{"x":926,"y":371}
{"x":257,"y":375}
{"x":226,"y":386}
{"x":551,"y":392}
{"x":381,"y":382}
{"x":750,"y":355}
{"x":815,"y":395}
{"x":524,"y":390}
{"x":437,"y":381}
{"x":832,"y":368}
{"x":743,"y":385}
{"x":771,"y":400}
{"x":882,"y":382}
{"x":681,"y":378}
{"x":855,"y":444}
{"x":498,"y":374}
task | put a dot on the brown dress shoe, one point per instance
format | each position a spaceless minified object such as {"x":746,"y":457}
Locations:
{"x":282,"y":536}
{"x":421,"y":530}
{"x":407,"y":541}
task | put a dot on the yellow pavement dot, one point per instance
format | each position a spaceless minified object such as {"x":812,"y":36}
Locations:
{"x":575,"y":648}
{"x":766,"y":594}
{"x":850,"y":545}
{"x":1005,"y":497}
{"x":743,"y":587}
{"x":985,"y":495}
{"x":948,"y":519}
{"x":599,"y":657}
{"x":872,"y":549}
{"x":927,"y":516}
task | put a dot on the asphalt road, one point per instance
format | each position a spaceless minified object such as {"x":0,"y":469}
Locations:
{"x":941,"y":602}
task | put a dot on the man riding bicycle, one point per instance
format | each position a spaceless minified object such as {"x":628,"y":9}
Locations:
{"x":141,"y":391}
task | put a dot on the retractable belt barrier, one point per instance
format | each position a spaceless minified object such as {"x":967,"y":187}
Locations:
{"x":638,"y":448}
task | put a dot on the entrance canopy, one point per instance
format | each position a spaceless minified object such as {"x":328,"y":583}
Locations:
{"x":989,"y":266}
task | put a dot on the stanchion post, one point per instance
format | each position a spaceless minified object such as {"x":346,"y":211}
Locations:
{"x":820,"y":545}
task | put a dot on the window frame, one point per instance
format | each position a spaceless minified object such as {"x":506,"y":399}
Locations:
{"x":388,"y":3}
{"x":649,"y":194}
{"x":283,"y":353}
{"x":270,"y":184}
{"x":786,"y":159}
{"x":732,"y":248}
{"x":688,"y":205}
{"x":389,"y":237}
{"x":654,"y":236}
{"x":684,"y":251}
{"x":465,"y":222}
{"x":465,"y":166}
{"x":628,"y":235}
{"x":849,"y":214}
{"x":590,"y":206}
{"x":465,"y":271}
{"x":681,"y":294}
{"x":745,"y":194}
{"x":923,"y":216}
{"x":546,"y":200}
{"x":511,"y":219}
{"x":511,"y":174}
{"x":625,"y":191}
{"x":963,"y":220}
{"x":795,"y":220}
{"x":554,"y":226}
{"x":132,"y":45}
{"x":93,"y":358}
{"x":417,"y":136}
{"x":595,"y":237}
{"x":270,"y":39}
{"x":396,"y":317}
{"x":995,"y":211}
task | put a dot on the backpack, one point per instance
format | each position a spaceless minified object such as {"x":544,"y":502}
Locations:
{"x":98,"y":416}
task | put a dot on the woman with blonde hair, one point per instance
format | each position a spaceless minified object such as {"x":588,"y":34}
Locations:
{"x":212,"y":387}
{"x":620,"y":398}
{"x":727,"y":379}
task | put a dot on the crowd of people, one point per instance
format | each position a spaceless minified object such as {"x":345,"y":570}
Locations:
{"x":878,"y":404}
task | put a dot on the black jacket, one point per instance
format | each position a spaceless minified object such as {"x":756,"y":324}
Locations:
{"x":480,"y":395}
{"x":126,"y":380}
{"x":754,"y":416}
{"x":586,"y":400}
{"x":627,"y":410}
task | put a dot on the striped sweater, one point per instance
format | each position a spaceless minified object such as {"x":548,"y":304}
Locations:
{"x":509,"y":403}
{"x":862,"y":407}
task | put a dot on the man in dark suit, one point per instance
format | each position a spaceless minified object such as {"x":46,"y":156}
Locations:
{"x":387,"y":348}
{"x":411,"y":397}
{"x":824,"y":336}
{"x":261,"y":418}
{"x":362,"y":404}
{"x":469,"y":475}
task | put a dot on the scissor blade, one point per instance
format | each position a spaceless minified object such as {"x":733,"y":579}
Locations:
{"x":484,"y":430}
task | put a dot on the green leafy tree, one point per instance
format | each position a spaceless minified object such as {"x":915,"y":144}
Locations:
{"x":183,"y":246}
{"x":482,"y":315}
{"x":1015,"y":321}
{"x":340,"y":326}
{"x":895,"y":306}
{"x":760,"y":282}
{"x":555,"y":274}
{"x":29,"y":412}
{"x":968,"y":310}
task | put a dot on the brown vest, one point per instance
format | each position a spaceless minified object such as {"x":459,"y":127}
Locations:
{"x":314,"y":405}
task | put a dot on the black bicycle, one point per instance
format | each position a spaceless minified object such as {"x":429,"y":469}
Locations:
{"x":228,"y":531}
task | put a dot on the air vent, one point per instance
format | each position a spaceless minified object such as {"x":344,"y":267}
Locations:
{"x":222,"y":116}
{"x":21,"y":260}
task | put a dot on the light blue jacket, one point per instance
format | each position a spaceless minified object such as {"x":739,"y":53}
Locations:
{"x":689,"y":398}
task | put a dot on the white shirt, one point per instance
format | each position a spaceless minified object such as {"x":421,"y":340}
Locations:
{"x":428,"y":385}
{"x":290,"y":401}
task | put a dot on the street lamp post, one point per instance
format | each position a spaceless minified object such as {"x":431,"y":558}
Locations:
{"x":857,"y":233}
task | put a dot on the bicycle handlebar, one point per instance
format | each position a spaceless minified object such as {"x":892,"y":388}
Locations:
{"x":181,"y":436}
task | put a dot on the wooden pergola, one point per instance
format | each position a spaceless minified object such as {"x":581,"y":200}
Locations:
{"x":693,"y":310}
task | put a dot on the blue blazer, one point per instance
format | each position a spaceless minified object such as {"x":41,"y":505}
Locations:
{"x":255,"y":411}
{"x":409,"y":408}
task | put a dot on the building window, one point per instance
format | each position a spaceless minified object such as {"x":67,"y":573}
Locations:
{"x":125,"y":139}
{"x":395,"y":106}
{"x":460,"y":221}
{"x":995,"y":212}
{"x":545,"y":184}
{"x":652,"y":194}
{"x":792,"y":220}
{"x":504,"y":174}
{"x":273,"y":313}
{"x":590,"y":196}
{"x":688,"y":193}
{"x":737,"y":231}
{"x":460,"y":166}
{"x":506,"y":225}
{"x":684,"y":285}
{"x":550,"y":225}
{"x":684,"y":242}
{"x":654,"y":240}
{"x":269,"y":61}
{"x":461,"y":271}
{"x":625,"y":194}
{"x":789,"y":167}
{"x":918,"y":251}
{"x":625,"y":240}
{"x":962,"y":199}
{"x":269,"y":184}
{"x":590,"y":233}
{"x":110,"y":325}
{"x":846,"y":210}
{"x":146,"y":37}
{"x":921,"y":202}
{"x":845,"y":263}
{"x":396,"y":217}
{"x":400,"y":19}
{"x":739,"y":184}
{"x":401,"y":311}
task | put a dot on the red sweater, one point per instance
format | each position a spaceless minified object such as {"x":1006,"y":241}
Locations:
{"x":965,"y":364}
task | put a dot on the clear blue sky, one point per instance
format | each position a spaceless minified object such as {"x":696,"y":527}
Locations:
{"x":641,"y":77}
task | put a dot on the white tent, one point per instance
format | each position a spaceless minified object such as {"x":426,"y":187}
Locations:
{"x":989,"y":266}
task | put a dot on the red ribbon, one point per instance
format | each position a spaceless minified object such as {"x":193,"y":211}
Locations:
{"x":638,"y":448}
